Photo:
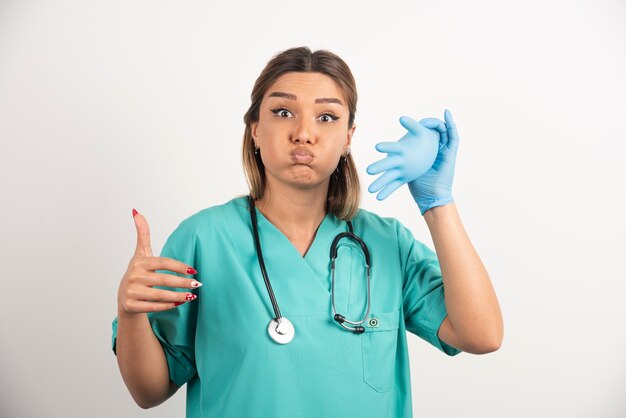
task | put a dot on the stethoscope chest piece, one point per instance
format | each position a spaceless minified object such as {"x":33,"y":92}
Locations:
{"x":281,"y":331}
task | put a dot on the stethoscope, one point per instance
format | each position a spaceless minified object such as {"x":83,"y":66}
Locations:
{"x":280,"y":328}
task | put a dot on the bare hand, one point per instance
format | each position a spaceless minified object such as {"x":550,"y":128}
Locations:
{"x":136,"y":293}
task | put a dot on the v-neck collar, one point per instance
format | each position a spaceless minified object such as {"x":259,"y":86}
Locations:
{"x":321,"y":229}
{"x":315,"y":264}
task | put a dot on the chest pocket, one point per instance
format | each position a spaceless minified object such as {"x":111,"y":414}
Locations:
{"x":379,"y":344}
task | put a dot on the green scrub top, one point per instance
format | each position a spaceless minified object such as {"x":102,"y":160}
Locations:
{"x":219,"y":344}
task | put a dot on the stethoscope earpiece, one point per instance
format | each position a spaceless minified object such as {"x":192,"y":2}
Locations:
{"x":339,"y":318}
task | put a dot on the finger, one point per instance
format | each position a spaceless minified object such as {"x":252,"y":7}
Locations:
{"x":411,"y":125}
{"x":453,"y":135}
{"x":384,"y":165}
{"x":162,"y":295}
{"x":388,"y":189}
{"x":165,"y":263}
{"x":169,"y":280}
{"x":143,"y":248}
{"x":430,"y":122}
{"x":440,"y":127}
{"x":142,"y":306}
{"x":389,"y":147}
{"x":383,"y":180}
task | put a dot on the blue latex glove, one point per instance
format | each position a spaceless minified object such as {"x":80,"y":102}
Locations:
{"x":407,"y":159}
{"x":430,"y":186}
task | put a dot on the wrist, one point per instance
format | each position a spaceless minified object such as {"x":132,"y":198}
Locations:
{"x":426,"y":204}
{"x":124,"y":315}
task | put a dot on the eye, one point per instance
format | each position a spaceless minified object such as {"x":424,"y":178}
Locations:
{"x":281,"y":112}
{"x":328,"y":117}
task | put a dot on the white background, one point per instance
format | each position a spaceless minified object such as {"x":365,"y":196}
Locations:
{"x":107,"y":106}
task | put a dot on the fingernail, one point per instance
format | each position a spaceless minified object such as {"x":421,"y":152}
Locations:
{"x":191,"y":270}
{"x":195,"y":284}
{"x":178,"y":303}
{"x":134,"y":212}
{"x":191,"y":296}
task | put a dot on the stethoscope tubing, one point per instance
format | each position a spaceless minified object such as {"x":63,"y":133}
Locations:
{"x":340,"y":319}
{"x":259,"y":254}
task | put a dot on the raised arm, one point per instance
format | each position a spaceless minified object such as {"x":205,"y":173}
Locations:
{"x":474,"y":323}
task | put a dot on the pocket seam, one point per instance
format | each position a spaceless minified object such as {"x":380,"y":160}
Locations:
{"x":390,"y":323}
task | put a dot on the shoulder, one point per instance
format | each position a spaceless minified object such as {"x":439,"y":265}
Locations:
{"x":371,"y":222}
{"x":205,"y":230}
{"x":389,"y":231}
{"x":214,"y":218}
{"x":389,"y":239}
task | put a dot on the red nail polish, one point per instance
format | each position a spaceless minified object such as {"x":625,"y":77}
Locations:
{"x":191,"y":270}
{"x":190,"y":296}
{"x":134,"y":212}
{"x":178,"y":303}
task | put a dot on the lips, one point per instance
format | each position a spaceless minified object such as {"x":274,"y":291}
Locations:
{"x":302,"y":155}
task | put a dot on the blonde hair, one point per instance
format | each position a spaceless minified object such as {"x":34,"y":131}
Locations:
{"x":344,"y":190}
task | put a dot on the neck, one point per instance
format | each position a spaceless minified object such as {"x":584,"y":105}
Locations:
{"x":296,"y":212}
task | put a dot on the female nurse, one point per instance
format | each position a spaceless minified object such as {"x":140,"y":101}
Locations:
{"x":249,"y":306}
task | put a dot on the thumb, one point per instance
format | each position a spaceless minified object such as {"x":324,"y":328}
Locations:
{"x":412,"y":125}
{"x":144,"y":248}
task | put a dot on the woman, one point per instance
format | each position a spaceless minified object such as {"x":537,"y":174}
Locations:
{"x":269,"y":326}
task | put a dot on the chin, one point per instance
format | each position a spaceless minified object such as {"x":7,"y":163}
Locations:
{"x":305,"y":180}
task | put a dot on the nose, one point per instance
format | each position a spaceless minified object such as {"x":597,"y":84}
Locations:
{"x":304,"y":131}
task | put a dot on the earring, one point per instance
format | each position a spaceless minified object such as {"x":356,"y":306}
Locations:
{"x":256,"y":150}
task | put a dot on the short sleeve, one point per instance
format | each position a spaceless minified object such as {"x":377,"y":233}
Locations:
{"x":175,"y":328}
{"x":422,"y":290}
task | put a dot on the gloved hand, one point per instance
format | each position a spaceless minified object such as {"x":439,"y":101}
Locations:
{"x":408,"y":159}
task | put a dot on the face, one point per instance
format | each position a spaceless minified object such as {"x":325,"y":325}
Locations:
{"x":300,"y":114}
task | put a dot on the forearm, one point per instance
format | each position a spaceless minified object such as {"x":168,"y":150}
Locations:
{"x":471,"y":302}
{"x":141,"y":360}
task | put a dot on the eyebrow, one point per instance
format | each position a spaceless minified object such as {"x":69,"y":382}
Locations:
{"x":294,"y":97}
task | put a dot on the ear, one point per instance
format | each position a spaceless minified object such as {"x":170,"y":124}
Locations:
{"x":349,"y":137}
{"x":253,"y":128}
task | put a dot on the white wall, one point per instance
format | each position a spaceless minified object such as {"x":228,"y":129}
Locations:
{"x":106,"y":106}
